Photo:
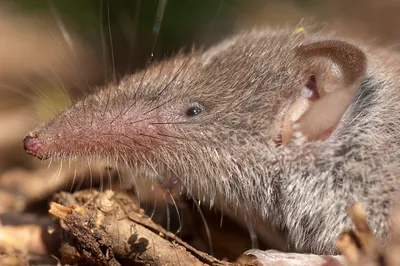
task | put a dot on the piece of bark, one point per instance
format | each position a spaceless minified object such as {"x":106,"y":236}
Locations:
{"x":361,"y":247}
{"x":108,"y":229}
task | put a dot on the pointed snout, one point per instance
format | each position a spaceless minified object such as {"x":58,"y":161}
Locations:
{"x":33,"y":146}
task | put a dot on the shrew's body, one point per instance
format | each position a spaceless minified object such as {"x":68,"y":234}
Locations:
{"x":287,"y":128}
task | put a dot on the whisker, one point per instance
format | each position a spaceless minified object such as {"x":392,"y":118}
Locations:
{"x":134,"y":31}
{"x":79,"y":186}
{"x":22,"y":93}
{"x":176,"y":75}
{"x":55,"y":177}
{"x":162,"y":4}
{"x":253,"y":235}
{"x":109,"y":173}
{"x":205,"y":226}
{"x":50,"y":161}
{"x":177,"y":212}
{"x":61,"y":26}
{"x":174,"y":123}
{"x":101,"y":181}
{"x":150,"y":165}
{"x":136,"y":90}
{"x":101,"y":144}
{"x":168,"y":191}
{"x":155,"y":203}
{"x":67,"y":38}
{"x":168,"y":215}
{"x":63,"y":88}
{"x":156,"y":29}
{"x":118,"y":174}
{"x":73,"y":179}
{"x":66,"y":181}
{"x":108,"y":102}
{"x":90,"y":173}
{"x":111,"y":42}
{"x":222,"y":217}
{"x":137,"y":192}
{"x":126,"y":145}
{"x":175,"y":137}
{"x":141,"y":120}
{"x":132,"y":139}
{"x":40,"y":93}
{"x":103,"y":42}
{"x":155,"y":108}
{"x":150,"y":136}
{"x":221,"y":4}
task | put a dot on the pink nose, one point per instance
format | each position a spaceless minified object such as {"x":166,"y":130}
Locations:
{"x":32,"y":145}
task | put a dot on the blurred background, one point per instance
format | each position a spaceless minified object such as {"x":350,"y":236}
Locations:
{"x":53,"y":52}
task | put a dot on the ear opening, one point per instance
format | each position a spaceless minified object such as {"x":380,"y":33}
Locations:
{"x":336,"y":71}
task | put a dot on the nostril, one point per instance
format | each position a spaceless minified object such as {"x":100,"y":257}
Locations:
{"x":31,"y":144}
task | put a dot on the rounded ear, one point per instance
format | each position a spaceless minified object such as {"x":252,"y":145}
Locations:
{"x":336,"y":72}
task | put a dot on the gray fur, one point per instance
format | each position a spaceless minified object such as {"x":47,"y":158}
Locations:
{"x":227,"y":154}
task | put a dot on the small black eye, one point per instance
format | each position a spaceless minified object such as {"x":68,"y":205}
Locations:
{"x":193,"y":111}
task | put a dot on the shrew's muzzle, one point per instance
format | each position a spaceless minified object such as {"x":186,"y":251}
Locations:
{"x":34,"y":147}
